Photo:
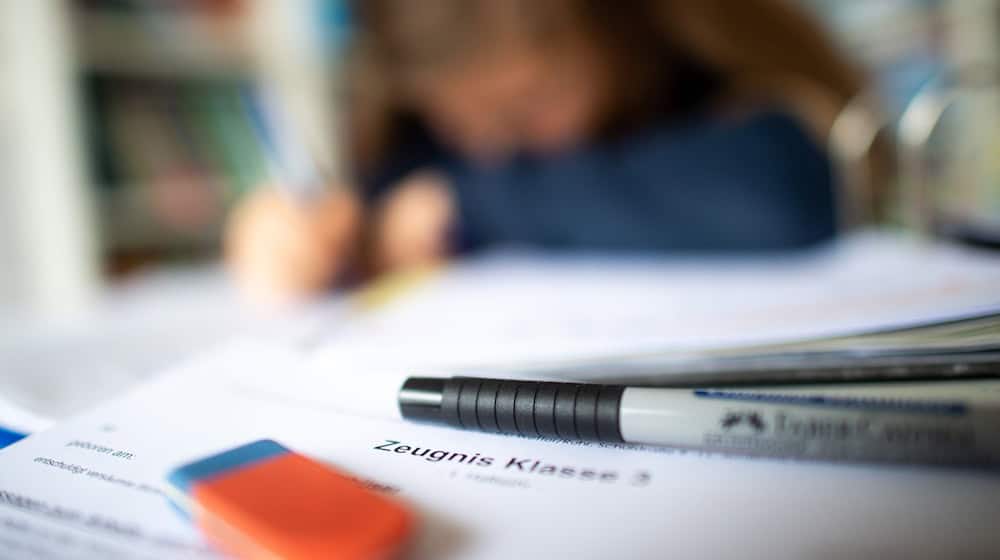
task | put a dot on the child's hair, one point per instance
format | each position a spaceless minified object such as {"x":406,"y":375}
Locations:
{"x":660,"y":53}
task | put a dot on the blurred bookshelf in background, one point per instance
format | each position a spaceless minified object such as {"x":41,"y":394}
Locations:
{"x":170,"y":145}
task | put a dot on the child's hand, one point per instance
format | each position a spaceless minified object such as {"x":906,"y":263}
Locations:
{"x":280,"y":250}
{"x":411,"y":225}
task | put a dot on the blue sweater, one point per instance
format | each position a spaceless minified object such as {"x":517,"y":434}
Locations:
{"x":759,"y":183}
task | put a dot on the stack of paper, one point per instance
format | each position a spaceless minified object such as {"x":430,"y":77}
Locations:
{"x":582,"y":316}
{"x":597,"y":317}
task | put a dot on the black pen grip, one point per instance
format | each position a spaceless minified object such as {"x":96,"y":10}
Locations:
{"x":573,"y":411}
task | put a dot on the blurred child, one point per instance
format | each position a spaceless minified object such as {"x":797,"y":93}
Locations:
{"x":637,"y":125}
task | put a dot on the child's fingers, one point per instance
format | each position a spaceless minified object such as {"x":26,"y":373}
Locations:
{"x":412,"y":223}
{"x":279,"y":250}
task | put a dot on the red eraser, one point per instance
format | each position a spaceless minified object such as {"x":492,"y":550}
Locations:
{"x":261,"y":500}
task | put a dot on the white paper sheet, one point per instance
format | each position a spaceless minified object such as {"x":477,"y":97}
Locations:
{"x":54,"y":369}
{"x":527,"y":310}
{"x":89,"y":488}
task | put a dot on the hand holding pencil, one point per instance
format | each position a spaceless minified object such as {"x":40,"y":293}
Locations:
{"x":281,"y":251}
{"x":293,"y":237}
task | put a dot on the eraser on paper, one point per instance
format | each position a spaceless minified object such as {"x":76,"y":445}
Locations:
{"x":262,"y":500}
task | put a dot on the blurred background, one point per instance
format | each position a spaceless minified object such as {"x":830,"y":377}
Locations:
{"x":124,"y":135}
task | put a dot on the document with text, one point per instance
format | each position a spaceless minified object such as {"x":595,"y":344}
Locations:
{"x":93,"y":487}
